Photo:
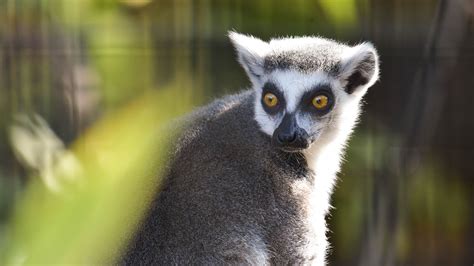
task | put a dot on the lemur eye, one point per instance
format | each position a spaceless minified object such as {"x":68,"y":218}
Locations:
{"x":320,"y":102}
{"x":270,"y":99}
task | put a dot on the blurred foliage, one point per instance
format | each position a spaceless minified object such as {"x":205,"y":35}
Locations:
{"x":121,"y":158}
{"x":437,"y":208}
{"x":342,"y":13}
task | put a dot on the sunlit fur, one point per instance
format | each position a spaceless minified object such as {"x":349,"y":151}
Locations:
{"x":232,"y":195}
{"x":330,"y":132}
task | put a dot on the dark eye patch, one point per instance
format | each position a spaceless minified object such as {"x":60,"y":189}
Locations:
{"x":270,"y":87}
{"x":306,"y":100}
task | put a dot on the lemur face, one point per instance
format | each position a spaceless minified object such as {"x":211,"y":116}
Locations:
{"x":307,"y":89}
{"x":295,"y":108}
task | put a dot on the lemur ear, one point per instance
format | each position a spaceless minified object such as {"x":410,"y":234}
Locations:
{"x":359,"y":67}
{"x":251,"y":52}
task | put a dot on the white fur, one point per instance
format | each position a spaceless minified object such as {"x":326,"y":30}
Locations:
{"x":294,"y":84}
{"x":251,"y":52}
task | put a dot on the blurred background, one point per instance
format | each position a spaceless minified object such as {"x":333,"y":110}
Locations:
{"x":87,"y":89}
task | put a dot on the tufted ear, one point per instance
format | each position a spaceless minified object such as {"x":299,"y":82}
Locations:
{"x":359,"y":67}
{"x":251,"y":52}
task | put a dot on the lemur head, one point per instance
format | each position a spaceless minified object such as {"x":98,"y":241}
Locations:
{"x":308,"y":89}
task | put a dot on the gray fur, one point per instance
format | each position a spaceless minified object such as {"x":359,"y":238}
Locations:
{"x":312,"y":57}
{"x":230,"y":195}
{"x":227,"y":199}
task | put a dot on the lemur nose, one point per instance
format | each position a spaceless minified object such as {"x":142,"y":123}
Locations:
{"x":287,"y":137}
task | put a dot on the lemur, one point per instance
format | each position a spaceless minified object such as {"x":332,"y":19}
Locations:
{"x":252,"y":173}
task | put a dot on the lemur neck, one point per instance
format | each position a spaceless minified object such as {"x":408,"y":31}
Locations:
{"x":324,"y":160}
{"x":325,"y":155}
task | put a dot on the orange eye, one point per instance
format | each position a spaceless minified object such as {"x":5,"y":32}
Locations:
{"x":270,"y":99}
{"x":320,"y":101}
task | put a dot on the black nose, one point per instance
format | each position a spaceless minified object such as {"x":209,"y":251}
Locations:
{"x":286,"y":137}
{"x":289,"y":136}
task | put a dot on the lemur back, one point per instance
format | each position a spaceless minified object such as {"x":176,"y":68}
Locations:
{"x":251,"y":176}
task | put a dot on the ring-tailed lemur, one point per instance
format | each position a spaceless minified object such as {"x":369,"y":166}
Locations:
{"x":251,"y":177}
